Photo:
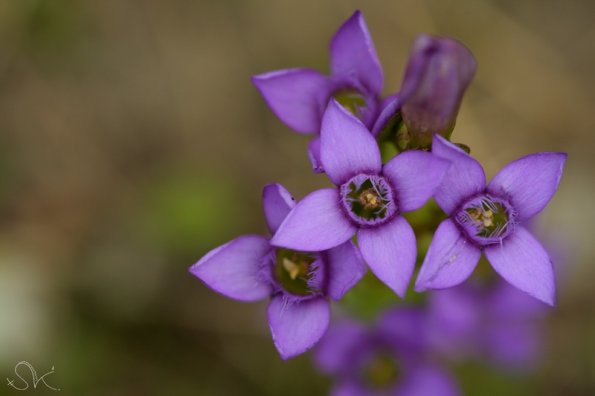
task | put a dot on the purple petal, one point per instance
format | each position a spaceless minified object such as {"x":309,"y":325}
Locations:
{"x":347,"y":147}
{"x":297,"y":96}
{"x":529,"y":182}
{"x":334,"y":353}
{"x":390,"y":252}
{"x":233,"y":269}
{"x":449,"y":261}
{"x":438,"y":72}
{"x":463,"y":178}
{"x":426,"y":380}
{"x":345,"y":268}
{"x":353,"y":54}
{"x":390,"y":109}
{"x":315,"y":224}
{"x":524,"y":263}
{"x":415,"y":175}
{"x":297,"y":326}
{"x":514,"y":345}
{"x":314,"y":155}
{"x":277,"y":202}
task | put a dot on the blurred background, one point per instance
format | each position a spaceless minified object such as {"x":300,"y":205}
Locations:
{"x":132,"y":142}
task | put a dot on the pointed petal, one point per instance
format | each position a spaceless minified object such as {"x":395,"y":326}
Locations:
{"x":524,"y":263}
{"x":463,"y":178}
{"x":277,"y":202}
{"x":345,"y":268}
{"x":297,"y":326}
{"x":529,"y":182}
{"x":353,"y":54}
{"x":347,"y":147}
{"x":314,"y":155}
{"x":317,"y":223}
{"x":390,"y":252}
{"x":297,"y":96}
{"x":449,"y":261}
{"x":233,"y":269}
{"x":390,"y":110}
{"x":415,"y":175}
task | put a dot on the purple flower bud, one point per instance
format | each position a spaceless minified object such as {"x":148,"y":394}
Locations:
{"x":437,"y":74}
{"x":368,"y":200}
{"x":299,"y":96}
{"x":299,"y":283}
{"x":489,"y":219}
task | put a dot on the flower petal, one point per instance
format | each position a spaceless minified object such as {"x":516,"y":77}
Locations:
{"x":464,"y":177}
{"x":297,"y":96}
{"x":437,"y":74}
{"x":524,"y":263}
{"x":233,"y":269}
{"x":314,"y":155}
{"x":529,"y":182}
{"x":427,"y":380}
{"x":449,"y":261}
{"x":345,"y":268}
{"x":336,"y":347}
{"x":297,"y":326}
{"x":347,"y":147}
{"x":390,"y":252}
{"x":277,"y":202}
{"x":415,"y":175}
{"x":353,"y":54}
{"x":315,"y":224}
{"x":391,"y":107}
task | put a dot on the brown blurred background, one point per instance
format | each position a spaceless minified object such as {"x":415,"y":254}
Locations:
{"x":133,"y":142}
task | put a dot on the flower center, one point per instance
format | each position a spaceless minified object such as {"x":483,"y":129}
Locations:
{"x":368,"y":199}
{"x":350,"y":99}
{"x":487,"y":219}
{"x":294,"y":271}
{"x":381,"y":372}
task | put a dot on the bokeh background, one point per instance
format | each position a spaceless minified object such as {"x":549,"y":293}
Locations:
{"x":132,"y":142}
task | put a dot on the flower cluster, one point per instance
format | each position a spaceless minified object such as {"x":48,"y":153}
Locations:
{"x":321,"y":246}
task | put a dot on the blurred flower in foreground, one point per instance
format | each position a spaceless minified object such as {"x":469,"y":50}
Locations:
{"x":437,"y":74}
{"x":496,"y":323}
{"x":299,"y":96}
{"x":249,"y":269}
{"x":387,"y":359}
{"x":489,"y":219}
{"x":368,"y":200}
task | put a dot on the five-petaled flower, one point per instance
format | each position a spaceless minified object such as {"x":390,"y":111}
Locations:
{"x":299,"y":282}
{"x":489,"y":219}
{"x":299,"y":96}
{"x":437,"y":75}
{"x":369,"y":200}
{"x":387,"y":358}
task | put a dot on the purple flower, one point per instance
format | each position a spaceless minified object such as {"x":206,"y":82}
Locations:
{"x":369,"y":200}
{"x":299,"y":282}
{"x":437,"y":75}
{"x":299,"y":96}
{"x":489,"y":219}
{"x":381,"y":360}
{"x":499,"y":324}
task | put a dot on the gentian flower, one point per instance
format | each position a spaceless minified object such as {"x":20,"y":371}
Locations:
{"x":368,"y":200}
{"x":437,"y":74}
{"x":489,"y":219}
{"x":299,"y":283}
{"x":497,"y":324}
{"x":299,"y":96}
{"x":386,"y":359}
